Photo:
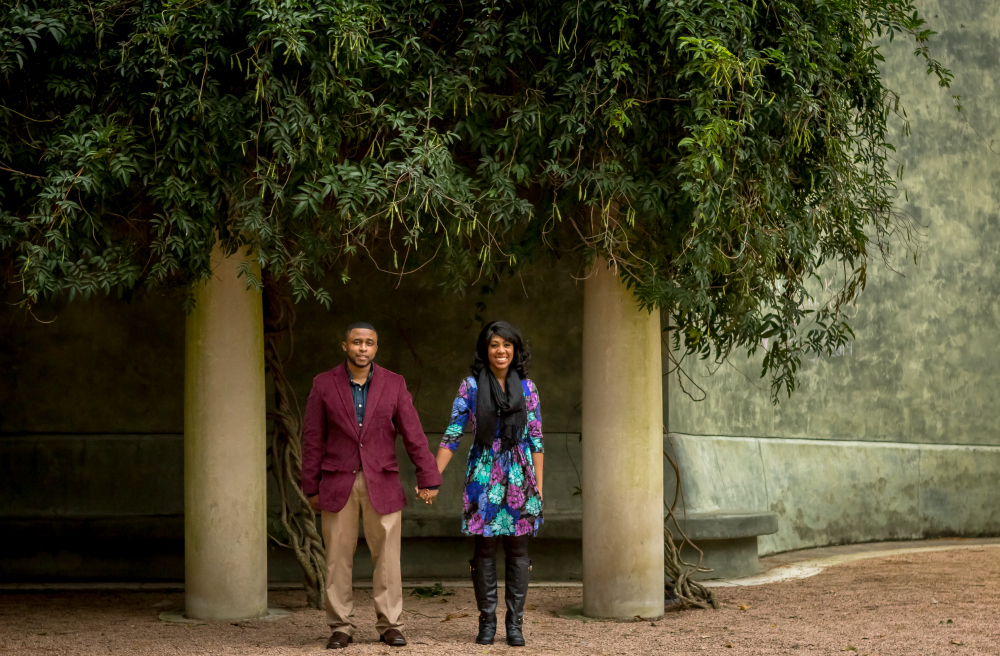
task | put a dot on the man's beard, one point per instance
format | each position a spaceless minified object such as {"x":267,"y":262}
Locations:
{"x":356,"y":364}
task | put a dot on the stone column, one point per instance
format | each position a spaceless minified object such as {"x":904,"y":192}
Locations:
{"x":225,"y":539}
{"x":622,"y":452}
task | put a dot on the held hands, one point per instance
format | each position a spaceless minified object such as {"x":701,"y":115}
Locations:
{"x":427,"y":495}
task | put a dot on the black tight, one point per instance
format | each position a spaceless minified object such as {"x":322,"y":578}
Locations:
{"x":514,"y":546}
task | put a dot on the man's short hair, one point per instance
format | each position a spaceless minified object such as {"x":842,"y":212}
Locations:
{"x":359,"y":325}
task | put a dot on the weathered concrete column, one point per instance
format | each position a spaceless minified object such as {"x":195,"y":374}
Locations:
{"x":622,"y":452}
{"x":225,"y":539}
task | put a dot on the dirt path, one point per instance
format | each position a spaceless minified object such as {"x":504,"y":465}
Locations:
{"x":922,"y":604}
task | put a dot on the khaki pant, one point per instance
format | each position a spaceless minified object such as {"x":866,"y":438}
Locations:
{"x":340,"y":535}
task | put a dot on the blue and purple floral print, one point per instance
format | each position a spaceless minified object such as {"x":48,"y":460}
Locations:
{"x":501,"y":496}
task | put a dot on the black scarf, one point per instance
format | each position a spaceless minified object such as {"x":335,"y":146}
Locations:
{"x":492,"y":402}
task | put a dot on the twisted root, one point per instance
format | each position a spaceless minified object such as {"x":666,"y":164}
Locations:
{"x":285,"y":450}
{"x":691,"y":594}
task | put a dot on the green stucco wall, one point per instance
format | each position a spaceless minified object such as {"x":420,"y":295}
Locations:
{"x":925,"y":364}
{"x":896,"y":436}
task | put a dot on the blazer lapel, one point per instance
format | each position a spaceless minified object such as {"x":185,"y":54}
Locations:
{"x":375,"y":388}
{"x":343,"y":385}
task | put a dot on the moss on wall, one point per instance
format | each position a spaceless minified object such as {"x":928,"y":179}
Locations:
{"x":104,"y":366}
{"x":924,"y":366}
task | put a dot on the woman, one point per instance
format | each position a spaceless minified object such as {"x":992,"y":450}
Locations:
{"x":503,"y":485}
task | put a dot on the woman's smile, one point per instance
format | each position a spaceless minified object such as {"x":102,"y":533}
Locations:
{"x":500,"y":353}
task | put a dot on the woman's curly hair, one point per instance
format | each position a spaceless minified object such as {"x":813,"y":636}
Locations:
{"x":502,"y":329}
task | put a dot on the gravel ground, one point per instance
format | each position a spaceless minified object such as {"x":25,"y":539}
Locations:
{"x":925,"y":604}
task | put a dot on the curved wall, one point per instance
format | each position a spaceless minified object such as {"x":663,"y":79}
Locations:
{"x":839,"y":491}
{"x":896,"y":436}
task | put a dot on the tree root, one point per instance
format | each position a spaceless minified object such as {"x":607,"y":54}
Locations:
{"x":285,"y":450}
{"x":691,"y":594}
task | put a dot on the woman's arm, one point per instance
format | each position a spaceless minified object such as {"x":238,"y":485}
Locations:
{"x":537,"y":459}
{"x":535,"y":439}
{"x":460,"y":411}
{"x":444,"y":455}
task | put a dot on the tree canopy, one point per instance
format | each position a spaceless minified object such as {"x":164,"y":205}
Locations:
{"x":721,"y":153}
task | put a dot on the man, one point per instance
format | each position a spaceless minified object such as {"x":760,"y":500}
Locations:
{"x":349,"y":469}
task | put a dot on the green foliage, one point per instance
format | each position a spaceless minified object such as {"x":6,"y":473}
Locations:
{"x":436,"y":590}
{"x":720,"y":153}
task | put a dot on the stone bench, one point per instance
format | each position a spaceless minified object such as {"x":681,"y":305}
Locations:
{"x":728,"y":540}
{"x":60,"y":521}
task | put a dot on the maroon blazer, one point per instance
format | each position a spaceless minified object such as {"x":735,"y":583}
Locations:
{"x":334,"y":448}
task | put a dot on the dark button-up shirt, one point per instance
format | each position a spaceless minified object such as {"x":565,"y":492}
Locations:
{"x":360,"y":394}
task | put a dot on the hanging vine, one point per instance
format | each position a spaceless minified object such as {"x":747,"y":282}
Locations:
{"x":284,"y":454}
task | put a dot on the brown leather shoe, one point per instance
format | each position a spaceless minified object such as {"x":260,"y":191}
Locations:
{"x":339,"y":640}
{"x":393,"y":638}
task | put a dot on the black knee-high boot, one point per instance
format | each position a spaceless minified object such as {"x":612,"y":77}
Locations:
{"x":484,"y":582}
{"x":517,"y":574}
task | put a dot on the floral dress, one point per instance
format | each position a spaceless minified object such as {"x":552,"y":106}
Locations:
{"x":501,"y":496}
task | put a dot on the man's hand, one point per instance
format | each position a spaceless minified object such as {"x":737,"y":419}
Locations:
{"x":426,"y":495}
{"x":314,"y":502}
